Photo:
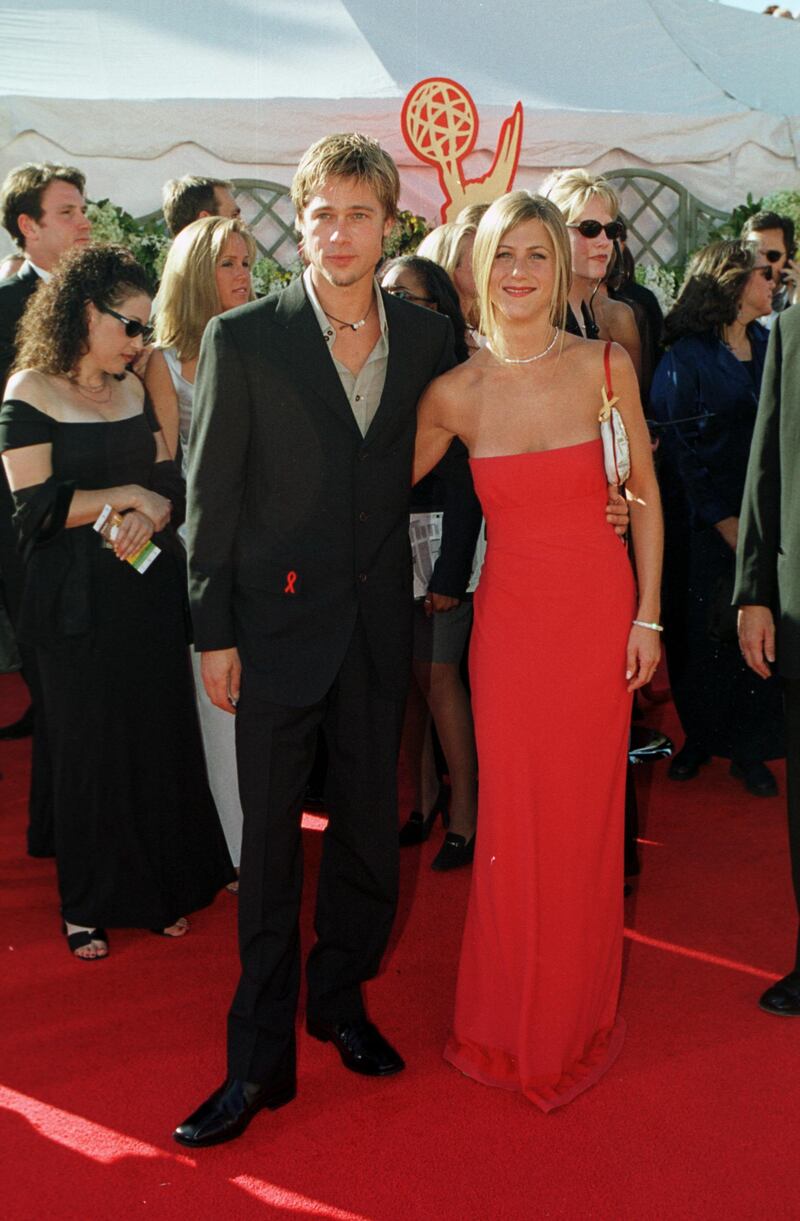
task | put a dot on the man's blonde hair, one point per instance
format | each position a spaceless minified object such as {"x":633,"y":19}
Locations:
{"x":504,"y":215}
{"x":187,"y":296}
{"x":572,"y":190}
{"x":347,"y":155}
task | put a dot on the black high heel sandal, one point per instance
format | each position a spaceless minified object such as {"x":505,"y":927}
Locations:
{"x":418,"y":826}
{"x":82,"y":938}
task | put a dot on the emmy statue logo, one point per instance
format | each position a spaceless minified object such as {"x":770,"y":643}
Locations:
{"x":440,"y":126}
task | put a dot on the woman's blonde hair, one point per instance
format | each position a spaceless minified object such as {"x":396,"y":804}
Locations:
{"x":504,"y":215}
{"x":187,"y":296}
{"x":572,"y":190}
{"x":445,"y":246}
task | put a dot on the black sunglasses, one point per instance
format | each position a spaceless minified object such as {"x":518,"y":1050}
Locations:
{"x":405,"y":295}
{"x":133,"y":327}
{"x":765,"y":270}
{"x":772,"y":256}
{"x":614,"y":230}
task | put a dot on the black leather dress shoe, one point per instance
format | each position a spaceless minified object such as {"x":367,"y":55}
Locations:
{"x":756,"y":778}
{"x":783,"y":997}
{"x":687,"y":763}
{"x":23,"y":728}
{"x":361,"y":1045}
{"x":228,"y":1111}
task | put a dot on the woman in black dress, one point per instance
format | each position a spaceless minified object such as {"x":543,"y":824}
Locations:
{"x":704,"y":398}
{"x":138,"y":842}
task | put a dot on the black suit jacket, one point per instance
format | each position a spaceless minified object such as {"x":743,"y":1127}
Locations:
{"x":768,"y":554}
{"x":297,"y":523}
{"x":14,"y":296}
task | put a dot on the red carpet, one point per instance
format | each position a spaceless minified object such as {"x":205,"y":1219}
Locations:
{"x":697,"y":1119}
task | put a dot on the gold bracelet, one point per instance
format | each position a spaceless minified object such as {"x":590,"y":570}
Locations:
{"x":654,"y":627}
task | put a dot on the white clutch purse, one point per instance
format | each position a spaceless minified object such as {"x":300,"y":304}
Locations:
{"x":616,"y":450}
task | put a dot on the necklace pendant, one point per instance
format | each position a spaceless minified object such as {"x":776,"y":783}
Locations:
{"x":358,"y":325}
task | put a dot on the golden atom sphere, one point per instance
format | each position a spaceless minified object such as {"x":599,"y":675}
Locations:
{"x":440,"y":121}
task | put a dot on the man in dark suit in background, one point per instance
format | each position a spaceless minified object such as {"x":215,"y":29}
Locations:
{"x":300,"y":583}
{"x":43,"y":208}
{"x":768,"y":576}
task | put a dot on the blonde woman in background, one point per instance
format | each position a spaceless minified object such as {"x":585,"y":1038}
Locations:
{"x":590,"y":208}
{"x":207,"y":272}
{"x":450,"y":246}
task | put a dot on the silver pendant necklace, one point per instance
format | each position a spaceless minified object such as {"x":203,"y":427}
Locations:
{"x":354,"y":326}
{"x":526,"y":360}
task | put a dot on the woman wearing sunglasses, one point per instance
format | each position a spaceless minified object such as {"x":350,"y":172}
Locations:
{"x":138,"y":842}
{"x":590,"y":207}
{"x":208,"y":271}
{"x":704,"y":398}
{"x":442,"y":610}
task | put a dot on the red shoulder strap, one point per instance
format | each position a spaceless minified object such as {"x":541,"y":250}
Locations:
{"x":607,"y":366}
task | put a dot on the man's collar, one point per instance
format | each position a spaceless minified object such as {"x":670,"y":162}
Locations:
{"x":41,"y":273}
{"x":322,"y":317}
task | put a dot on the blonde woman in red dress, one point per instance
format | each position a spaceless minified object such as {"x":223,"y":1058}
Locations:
{"x":560,"y":641}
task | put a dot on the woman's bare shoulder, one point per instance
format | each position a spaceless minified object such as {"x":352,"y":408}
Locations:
{"x":619,"y":309}
{"x":456,"y":382}
{"x":30,"y":386}
{"x":132,"y":388}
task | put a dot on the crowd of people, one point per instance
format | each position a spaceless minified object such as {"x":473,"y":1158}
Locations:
{"x":475,"y":370}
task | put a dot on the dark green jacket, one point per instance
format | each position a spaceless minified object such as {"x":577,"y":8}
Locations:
{"x":768,"y":555}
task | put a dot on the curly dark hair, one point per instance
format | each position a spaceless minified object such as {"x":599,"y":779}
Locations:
{"x":54,"y":332}
{"x":709,"y":296}
{"x":440,"y":288}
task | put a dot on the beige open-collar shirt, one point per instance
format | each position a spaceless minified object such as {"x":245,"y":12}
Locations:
{"x":365,"y":389}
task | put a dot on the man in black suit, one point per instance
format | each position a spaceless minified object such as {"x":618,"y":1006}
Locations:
{"x":768,"y":577}
{"x":300,"y":583}
{"x":44,"y":210}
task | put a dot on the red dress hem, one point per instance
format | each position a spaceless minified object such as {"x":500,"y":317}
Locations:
{"x":490,"y":1066}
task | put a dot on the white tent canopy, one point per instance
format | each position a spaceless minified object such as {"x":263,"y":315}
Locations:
{"x":135,"y":94}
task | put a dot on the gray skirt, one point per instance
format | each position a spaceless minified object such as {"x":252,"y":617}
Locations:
{"x":441,"y":637}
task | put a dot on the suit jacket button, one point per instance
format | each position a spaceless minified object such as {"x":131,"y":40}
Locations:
{"x":364,"y":454}
{"x":363,"y":516}
{"x":362,"y":576}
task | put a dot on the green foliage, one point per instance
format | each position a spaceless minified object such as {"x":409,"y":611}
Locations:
{"x":147,"y":241}
{"x":407,"y":234}
{"x":785,"y":203}
{"x":268,"y":274}
{"x":733,"y":226}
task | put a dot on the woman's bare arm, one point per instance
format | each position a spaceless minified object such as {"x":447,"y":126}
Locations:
{"x":158,"y":384}
{"x":622,"y":329}
{"x":644,"y":646}
{"x":433,"y":432}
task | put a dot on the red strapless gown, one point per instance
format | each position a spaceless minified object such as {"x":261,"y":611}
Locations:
{"x":538,"y":982}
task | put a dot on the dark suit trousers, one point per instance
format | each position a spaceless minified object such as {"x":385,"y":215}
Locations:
{"x":791,"y":696}
{"x":357,"y":890}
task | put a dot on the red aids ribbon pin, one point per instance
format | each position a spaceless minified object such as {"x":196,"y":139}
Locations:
{"x":291,"y":577}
